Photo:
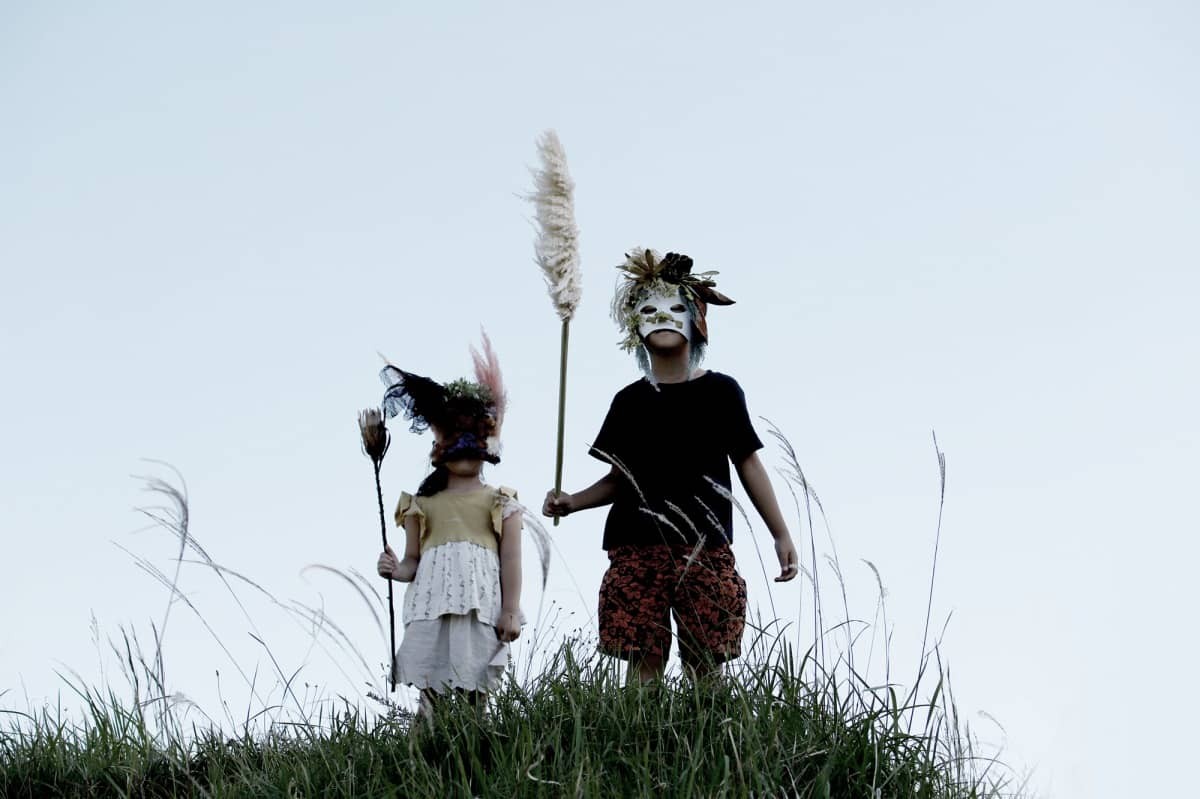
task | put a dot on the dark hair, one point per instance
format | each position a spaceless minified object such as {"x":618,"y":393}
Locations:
{"x":435,"y":482}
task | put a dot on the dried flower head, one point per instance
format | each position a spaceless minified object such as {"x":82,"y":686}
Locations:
{"x":375,"y":436}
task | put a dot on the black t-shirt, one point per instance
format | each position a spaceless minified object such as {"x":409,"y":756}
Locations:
{"x":671,"y":440}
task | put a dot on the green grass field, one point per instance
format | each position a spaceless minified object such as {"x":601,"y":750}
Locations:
{"x":774,"y":727}
{"x":785,"y":720}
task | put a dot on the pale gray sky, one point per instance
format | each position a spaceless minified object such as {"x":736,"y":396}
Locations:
{"x":977,"y":218}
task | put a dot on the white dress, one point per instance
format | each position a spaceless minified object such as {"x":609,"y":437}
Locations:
{"x":453,"y":603}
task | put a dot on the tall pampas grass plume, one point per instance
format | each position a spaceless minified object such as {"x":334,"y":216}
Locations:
{"x":557,"y":253}
{"x":556,"y":250}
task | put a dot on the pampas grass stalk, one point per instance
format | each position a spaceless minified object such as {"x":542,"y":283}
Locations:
{"x":557,"y":253}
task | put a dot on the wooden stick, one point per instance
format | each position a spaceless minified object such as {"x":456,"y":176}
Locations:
{"x":391,"y":604}
{"x":562,"y":408}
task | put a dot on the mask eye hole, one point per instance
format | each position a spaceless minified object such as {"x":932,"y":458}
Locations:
{"x":648,"y":309}
{"x":678,"y":308}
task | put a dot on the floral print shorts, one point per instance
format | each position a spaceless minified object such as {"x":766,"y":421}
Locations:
{"x":700,"y":588}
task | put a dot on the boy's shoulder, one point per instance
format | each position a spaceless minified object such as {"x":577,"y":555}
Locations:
{"x":711,"y":379}
{"x":636,"y":387}
{"x":721,"y":378}
{"x":723,"y":391}
{"x":631,"y":393}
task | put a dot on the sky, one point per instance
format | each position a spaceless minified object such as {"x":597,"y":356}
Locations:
{"x":974,"y":218}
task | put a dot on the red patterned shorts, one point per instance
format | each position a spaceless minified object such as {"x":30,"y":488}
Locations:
{"x":701,"y":589}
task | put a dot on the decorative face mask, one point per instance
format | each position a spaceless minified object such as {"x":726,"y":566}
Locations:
{"x":662,"y":282}
{"x":664,"y":309}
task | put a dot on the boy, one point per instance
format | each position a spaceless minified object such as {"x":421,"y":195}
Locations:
{"x":670,"y":438}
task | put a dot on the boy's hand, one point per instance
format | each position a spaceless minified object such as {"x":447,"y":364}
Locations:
{"x":789,"y":565}
{"x":508,"y":628}
{"x":559,"y":504}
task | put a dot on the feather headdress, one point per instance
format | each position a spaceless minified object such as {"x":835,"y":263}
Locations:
{"x":465,"y":414}
{"x":557,"y":247}
{"x":487,"y":373}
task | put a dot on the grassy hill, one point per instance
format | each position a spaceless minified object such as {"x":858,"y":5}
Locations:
{"x":774,"y":727}
{"x":784,"y":720}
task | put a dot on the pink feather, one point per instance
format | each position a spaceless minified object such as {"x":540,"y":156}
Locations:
{"x":487,"y":372}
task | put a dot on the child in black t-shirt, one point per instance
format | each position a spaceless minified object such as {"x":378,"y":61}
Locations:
{"x":669,"y":439}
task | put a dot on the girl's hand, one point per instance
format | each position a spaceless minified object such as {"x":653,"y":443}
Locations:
{"x":508,"y":628}
{"x":387,"y":563}
{"x":557,"y":504}
{"x":400,"y":570}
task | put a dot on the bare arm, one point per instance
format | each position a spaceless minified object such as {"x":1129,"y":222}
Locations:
{"x":403,"y":570}
{"x":509,"y":626}
{"x":601,"y":492}
{"x":754,"y":479}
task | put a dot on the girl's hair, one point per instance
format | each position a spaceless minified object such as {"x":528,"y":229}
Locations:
{"x":435,"y":482}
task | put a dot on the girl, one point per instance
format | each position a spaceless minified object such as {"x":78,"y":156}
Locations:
{"x":462,"y":555}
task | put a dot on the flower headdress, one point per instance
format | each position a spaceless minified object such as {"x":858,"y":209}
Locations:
{"x":646,"y":272}
{"x":465,"y":414}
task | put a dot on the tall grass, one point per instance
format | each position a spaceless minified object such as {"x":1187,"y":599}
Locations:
{"x":797,"y":715}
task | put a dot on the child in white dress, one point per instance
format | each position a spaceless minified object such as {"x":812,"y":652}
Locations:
{"x":462,"y":555}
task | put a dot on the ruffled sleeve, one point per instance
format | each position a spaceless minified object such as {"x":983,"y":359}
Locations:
{"x":408,"y":507}
{"x":504,"y":505}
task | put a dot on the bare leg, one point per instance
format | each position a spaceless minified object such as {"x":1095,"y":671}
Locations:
{"x":431,"y":700}
{"x":703,"y":671}
{"x":698,"y":665}
{"x":645,"y":670}
{"x":478,"y":700}
{"x":426,"y":708}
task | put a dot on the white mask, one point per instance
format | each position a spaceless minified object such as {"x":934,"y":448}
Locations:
{"x":664,"y":310}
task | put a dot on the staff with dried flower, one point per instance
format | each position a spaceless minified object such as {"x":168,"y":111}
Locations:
{"x":375,"y":442}
{"x":557,"y":253}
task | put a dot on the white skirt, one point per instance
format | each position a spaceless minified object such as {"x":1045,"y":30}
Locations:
{"x":451,"y":652}
{"x":454,"y":578}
